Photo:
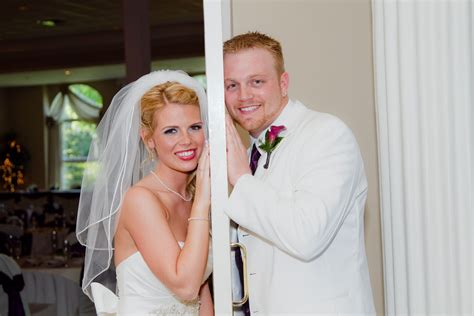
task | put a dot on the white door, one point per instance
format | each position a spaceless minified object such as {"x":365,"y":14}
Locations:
{"x":217,"y":29}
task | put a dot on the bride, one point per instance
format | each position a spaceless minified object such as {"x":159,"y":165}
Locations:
{"x":145,"y":201}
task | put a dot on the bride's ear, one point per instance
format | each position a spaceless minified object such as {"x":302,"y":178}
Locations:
{"x":147,"y":139}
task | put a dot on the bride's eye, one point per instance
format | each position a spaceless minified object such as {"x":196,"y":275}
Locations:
{"x":170,"y":131}
{"x":196,"y":127}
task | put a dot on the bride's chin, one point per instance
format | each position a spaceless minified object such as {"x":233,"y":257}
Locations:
{"x":187,"y":169}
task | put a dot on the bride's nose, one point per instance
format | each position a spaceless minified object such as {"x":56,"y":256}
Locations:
{"x":185,"y":139}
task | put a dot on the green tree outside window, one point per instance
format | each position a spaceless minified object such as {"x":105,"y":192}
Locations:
{"x":76,"y":137}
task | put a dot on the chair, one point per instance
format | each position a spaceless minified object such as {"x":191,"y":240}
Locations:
{"x":10,"y":243}
{"x":9,"y":229}
{"x":49,"y":292}
{"x":12,"y":284}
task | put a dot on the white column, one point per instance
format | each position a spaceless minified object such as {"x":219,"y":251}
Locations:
{"x":424,"y":72}
{"x":216,"y":25}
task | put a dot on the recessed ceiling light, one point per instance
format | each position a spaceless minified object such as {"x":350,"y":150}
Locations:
{"x":49,"y":22}
{"x":23,"y":8}
{"x":67,"y":72}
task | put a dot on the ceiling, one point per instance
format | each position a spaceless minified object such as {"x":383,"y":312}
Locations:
{"x":90,"y":33}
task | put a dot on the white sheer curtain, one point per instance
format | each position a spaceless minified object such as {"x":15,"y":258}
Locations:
{"x":54,"y":114}
{"x":86,"y":109}
{"x":424,"y":71}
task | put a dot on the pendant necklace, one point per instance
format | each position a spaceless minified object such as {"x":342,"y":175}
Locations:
{"x":169,"y":189}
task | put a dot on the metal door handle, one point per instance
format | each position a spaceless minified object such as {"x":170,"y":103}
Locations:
{"x":244,"y":272}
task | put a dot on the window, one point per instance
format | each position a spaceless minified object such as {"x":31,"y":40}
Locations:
{"x":76,"y":135}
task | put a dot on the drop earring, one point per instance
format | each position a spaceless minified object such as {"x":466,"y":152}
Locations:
{"x":151,"y":154}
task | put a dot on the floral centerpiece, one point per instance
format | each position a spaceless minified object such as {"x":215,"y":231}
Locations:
{"x":13,"y":160}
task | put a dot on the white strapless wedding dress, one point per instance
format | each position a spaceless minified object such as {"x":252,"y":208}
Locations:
{"x":140,"y":292}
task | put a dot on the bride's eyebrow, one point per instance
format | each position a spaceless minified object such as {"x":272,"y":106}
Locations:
{"x":168,"y":127}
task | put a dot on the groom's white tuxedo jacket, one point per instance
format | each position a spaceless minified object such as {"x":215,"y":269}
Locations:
{"x":302,"y":220}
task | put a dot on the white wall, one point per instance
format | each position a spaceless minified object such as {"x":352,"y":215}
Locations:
{"x":328,"y":54}
{"x":25,"y":119}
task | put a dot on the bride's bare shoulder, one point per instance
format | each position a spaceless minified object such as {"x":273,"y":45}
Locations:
{"x":141,"y":198}
{"x":139,"y":191}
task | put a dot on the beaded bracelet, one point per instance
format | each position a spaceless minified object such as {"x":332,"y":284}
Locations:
{"x":198,"y":219}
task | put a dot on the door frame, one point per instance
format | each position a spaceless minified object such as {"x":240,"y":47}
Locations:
{"x":217,"y":28}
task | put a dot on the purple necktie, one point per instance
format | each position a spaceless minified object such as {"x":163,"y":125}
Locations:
{"x":254,"y":156}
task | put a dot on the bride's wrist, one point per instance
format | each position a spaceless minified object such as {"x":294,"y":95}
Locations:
{"x":200,"y":207}
{"x":199,"y":214}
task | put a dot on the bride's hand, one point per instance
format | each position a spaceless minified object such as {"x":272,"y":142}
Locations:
{"x":202,"y":196}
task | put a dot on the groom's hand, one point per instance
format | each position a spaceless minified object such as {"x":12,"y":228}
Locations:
{"x":237,"y":161}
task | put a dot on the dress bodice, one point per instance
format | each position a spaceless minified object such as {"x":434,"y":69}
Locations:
{"x":141,"y":292}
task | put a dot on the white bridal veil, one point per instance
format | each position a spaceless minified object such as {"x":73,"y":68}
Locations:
{"x":117,"y":160}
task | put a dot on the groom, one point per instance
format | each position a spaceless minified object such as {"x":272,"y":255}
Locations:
{"x":300,"y":205}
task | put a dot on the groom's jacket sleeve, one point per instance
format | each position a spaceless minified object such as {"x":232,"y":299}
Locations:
{"x":326,"y":182}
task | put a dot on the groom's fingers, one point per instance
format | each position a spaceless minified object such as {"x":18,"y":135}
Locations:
{"x":228,"y":131}
{"x":234,"y":137}
{"x":237,"y":161}
{"x":230,"y":128}
{"x":230,"y":141}
{"x":234,"y":143}
{"x":228,"y":119}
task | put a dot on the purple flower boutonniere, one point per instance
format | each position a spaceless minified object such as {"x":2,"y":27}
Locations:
{"x":272,"y":139}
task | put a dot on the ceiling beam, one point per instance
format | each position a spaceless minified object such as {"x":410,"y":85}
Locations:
{"x":99,"y":48}
{"x":136,"y":25}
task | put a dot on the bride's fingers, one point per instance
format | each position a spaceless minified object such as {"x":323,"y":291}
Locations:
{"x":203,"y":164}
{"x":205,"y":172}
{"x":205,"y":159}
{"x":204,"y":153}
{"x":202,"y":174}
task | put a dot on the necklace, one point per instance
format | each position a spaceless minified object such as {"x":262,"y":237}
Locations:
{"x":169,"y":189}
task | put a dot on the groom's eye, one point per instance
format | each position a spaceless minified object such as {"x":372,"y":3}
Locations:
{"x":257,"y":82}
{"x":230,"y":86}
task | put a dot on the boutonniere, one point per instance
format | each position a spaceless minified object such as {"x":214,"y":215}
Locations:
{"x":272,"y":139}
